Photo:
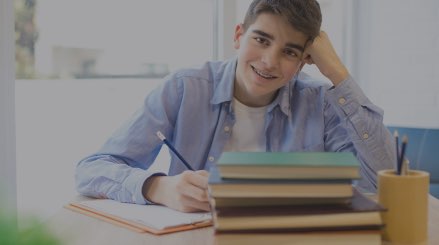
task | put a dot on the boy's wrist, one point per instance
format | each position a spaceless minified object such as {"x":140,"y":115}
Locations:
{"x":150,"y":189}
{"x":338,"y":76}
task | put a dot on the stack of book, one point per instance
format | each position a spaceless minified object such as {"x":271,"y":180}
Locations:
{"x":262,"y":197}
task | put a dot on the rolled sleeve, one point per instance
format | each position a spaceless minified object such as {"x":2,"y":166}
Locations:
{"x":348,"y":97}
{"x":352,"y":114}
{"x":135,"y":182}
{"x":104,"y":176}
{"x":349,"y":101}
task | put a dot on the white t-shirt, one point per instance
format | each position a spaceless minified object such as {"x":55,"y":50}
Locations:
{"x":247,"y":133}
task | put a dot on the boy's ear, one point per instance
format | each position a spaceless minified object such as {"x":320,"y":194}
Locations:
{"x":239,"y":31}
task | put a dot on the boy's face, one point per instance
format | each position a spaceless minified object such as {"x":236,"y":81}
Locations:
{"x":269,"y":55}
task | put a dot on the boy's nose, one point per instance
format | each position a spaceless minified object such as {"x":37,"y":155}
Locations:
{"x":270,"y":59}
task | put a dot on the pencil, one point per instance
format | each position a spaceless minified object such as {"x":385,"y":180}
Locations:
{"x":396,"y":136}
{"x":405,"y":167}
{"x":163,"y":138}
{"x":401,"y":156}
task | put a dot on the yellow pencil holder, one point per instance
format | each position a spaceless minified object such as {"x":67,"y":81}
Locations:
{"x":406,"y":200}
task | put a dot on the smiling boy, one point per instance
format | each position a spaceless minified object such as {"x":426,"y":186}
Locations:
{"x":258,"y":101}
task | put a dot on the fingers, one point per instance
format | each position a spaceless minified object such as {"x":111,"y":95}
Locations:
{"x":198,"y":178}
{"x":306,"y":58}
{"x":322,"y":53}
{"x":193,"y":192}
{"x":180,"y":193}
{"x":190,"y":193}
{"x":202,"y":172}
{"x":191,"y":205}
{"x":196,"y":186}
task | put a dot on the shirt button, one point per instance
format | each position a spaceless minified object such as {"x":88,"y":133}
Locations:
{"x":341,"y":101}
{"x":211,"y":158}
{"x":365,"y":135}
{"x":227,"y":128}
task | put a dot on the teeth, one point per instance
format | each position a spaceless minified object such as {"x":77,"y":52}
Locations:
{"x":262,"y":74}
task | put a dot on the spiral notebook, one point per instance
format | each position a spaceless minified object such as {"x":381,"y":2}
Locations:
{"x":141,"y":218}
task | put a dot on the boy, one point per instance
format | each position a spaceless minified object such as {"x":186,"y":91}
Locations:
{"x":258,"y":101}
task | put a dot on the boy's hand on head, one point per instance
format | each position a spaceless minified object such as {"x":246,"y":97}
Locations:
{"x":186,"y":192}
{"x":323,"y":55}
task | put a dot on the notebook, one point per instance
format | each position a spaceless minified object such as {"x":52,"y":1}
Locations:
{"x":141,"y":218}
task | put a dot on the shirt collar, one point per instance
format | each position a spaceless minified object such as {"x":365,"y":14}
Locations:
{"x":283,"y":99}
{"x":224,"y":79}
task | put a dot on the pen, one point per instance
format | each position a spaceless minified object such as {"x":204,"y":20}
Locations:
{"x":163,"y":138}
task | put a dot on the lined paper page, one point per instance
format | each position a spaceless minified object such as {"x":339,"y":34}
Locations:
{"x":158,"y":217}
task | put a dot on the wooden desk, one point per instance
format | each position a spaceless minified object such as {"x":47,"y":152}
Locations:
{"x":77,"y":229}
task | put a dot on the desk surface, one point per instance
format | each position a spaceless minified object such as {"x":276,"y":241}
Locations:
{"x":78,"y":229}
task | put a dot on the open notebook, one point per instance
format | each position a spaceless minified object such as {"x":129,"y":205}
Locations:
{"x":141,"y":218}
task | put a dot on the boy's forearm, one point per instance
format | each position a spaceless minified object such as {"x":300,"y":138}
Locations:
{"x":338,"y":75}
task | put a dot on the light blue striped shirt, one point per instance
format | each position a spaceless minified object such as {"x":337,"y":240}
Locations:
{"x":192,"y":108}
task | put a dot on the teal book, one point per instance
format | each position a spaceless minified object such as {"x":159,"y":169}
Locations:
{"x":288,"y":165}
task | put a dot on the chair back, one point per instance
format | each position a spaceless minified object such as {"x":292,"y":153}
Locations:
{"x":423,"y":152}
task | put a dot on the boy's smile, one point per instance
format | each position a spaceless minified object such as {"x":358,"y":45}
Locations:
{"x":262,"y":74}
{"x":269,"y":54}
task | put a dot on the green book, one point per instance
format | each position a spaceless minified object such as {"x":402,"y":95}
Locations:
{"x":288,"y":165}
{"x":278,"y":189}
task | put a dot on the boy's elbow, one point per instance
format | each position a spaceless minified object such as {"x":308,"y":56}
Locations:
{"x":83,"y":179}
{"x":80,"y":183}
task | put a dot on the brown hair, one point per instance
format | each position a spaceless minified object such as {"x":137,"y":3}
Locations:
{"x":304,"y":15}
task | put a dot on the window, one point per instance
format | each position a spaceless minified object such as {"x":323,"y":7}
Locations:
{"x":82,"y":68}
{"x":62,"y":39}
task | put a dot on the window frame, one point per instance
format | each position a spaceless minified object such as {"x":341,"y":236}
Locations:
{"x":8,"y":183}
{"x":224,"y":21}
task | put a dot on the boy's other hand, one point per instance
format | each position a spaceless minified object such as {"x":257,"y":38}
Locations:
{"x":186,"y":192}
{"x":323,"y":55}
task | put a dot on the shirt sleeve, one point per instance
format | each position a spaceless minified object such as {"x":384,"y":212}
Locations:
{"x":353,"y":123}
{"x":120,"y":168}
{"x":106,"y":176}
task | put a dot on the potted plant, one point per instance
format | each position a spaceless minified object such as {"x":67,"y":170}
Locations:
{"x":34,"y":234}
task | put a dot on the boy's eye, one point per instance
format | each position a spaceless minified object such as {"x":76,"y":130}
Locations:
{"x":291,"y":53}
{"x":261,"y":40}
